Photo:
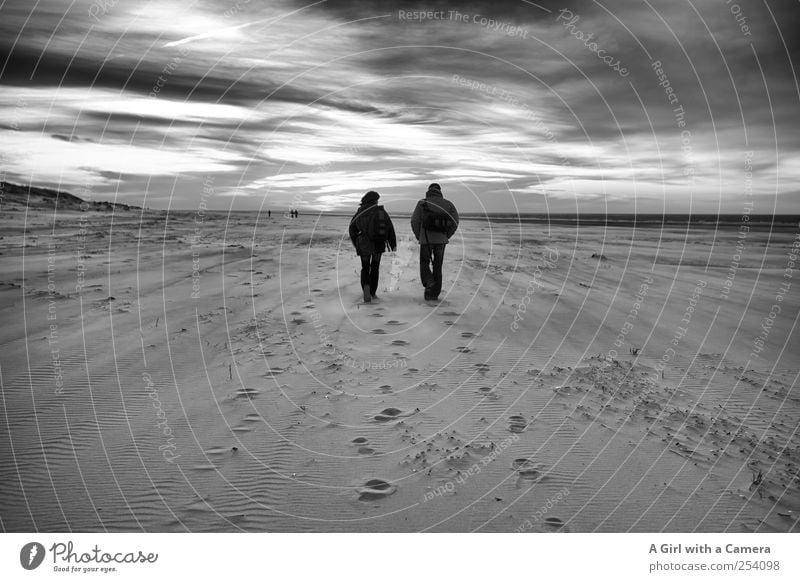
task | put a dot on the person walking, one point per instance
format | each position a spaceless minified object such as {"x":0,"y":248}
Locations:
{"x":434,"y":222}
{"x":371,"y":231}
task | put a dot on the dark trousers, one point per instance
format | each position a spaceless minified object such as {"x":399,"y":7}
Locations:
{"x":431,"y":280}
{"x":370,"y":271}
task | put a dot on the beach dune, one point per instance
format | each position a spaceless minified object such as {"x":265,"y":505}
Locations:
{"x":219,"y":372}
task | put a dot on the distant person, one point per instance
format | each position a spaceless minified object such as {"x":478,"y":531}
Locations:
{"x":371,"y":230}
{"x":269,"y":213}
{"x":434,"y":222}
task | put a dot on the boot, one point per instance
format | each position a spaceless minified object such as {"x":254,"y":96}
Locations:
{"x":429,"y":290}
{"x":367,"y":296}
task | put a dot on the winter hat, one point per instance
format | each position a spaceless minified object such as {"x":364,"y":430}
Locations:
{"x":434,"y":188}
{"x":370,"y":197}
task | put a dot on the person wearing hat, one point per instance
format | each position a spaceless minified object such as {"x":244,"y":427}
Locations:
{"x":434,"y":222}
{"x":371,"y":231}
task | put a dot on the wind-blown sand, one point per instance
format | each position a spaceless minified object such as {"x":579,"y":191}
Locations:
{"x":222,"y":374}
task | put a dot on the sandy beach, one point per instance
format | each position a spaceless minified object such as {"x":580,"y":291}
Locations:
{"x":199,"y":371}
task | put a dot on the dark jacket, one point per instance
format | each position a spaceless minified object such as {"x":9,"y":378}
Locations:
{"x":434,"y":198}
{"x":358,"y":228}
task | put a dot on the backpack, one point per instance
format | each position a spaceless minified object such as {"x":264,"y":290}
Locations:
{"x":434,"y":218}
{"x":377,"y":226}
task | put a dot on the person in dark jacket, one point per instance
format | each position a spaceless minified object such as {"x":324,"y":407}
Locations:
{"x":433,"y":242}
{"x":370,"y":250}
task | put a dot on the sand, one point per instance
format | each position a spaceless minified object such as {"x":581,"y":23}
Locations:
{"x":206,"y":372}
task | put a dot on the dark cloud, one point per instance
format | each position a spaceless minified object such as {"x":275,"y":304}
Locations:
{"x":517,"y":10}
{"x":172,"y":78}
{"x":176,"y":78}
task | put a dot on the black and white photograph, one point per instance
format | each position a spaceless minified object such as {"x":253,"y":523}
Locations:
{"x":281,"y":266}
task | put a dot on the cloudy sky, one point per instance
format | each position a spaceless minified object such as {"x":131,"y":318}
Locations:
{"x":620,"y":105}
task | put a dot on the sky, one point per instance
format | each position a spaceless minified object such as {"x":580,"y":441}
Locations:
{"x":512,"y":106}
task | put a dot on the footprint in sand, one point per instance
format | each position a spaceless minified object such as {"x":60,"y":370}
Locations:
{"x":363,"y":449}
{"x":376,"y":314}
{"x":464,"y":349}
{"x":388,"y":414}
{"x":248,"y":393}
{"x":555,"y":522}
{"x":527,"y":469}
{"x":375,"y":489}
{"x":379,"y":331}
{"x":272,"y":372}
{"x":482,"y":367}
{"x":385,"y":389}
{"x":489,"y":392}
{"x":395,"y":322}
{"x":448,"y":322}
{"x":517,"y":423}
{"x":468,"y":334}
{"x":399,"y":342}
{"x":450,"y":314}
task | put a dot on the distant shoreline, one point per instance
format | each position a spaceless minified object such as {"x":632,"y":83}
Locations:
{"x":674,"y":221}
{"x":782,"y":221}
{"x":31,"y":197}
